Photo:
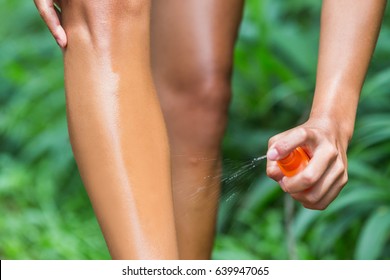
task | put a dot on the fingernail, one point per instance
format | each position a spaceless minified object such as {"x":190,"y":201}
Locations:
{"x":61,"y":39}
{"x":272,"y":154}
{"x":60,"y":43}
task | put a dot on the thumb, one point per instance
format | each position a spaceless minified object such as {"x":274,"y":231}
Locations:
{"x":287,"y":142}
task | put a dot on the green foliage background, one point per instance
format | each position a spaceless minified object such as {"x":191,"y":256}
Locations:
{"x":45,"y":213}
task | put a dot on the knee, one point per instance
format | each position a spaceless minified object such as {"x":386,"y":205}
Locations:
{"x":205,"y":90}
{"x":198,"y":104}
{"x":212,"y":92}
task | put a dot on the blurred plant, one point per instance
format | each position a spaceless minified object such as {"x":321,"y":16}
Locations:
{"x":47,"y":215}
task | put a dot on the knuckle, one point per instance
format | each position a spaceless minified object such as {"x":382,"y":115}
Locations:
{"x":287,"y":189}
{"x":271,"y":172}
{"x":339,"y":171}
{"x":340,"y":168}
{"x":271,"y":141}
{"x":345,"y":179}
{"x":316,"y":206}
{"x":320,"y":206}
{"x":303,"y":133}
{"x":296,"y":197}
{"x":313,"y":198}
{"x":333,"y":152}
{"x":308,"y":178}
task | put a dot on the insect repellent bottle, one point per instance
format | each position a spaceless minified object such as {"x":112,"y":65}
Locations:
{"x":294,"y":162}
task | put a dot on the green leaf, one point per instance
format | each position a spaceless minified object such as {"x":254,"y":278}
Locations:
{"x":374,"y":236}
{"x":303,"y":220}
{"x":356,"y":197}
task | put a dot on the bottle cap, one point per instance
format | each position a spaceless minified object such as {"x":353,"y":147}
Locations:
{"x":294,"y":162}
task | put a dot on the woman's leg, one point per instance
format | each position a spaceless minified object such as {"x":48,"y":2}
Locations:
{"x":116,"y":126}
{"x":192,"y":48}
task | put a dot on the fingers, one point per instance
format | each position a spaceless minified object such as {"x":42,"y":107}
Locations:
{"x":273,"y":171}
{"x":48,"y":13}
{"x":323,"y":192}
{"x":317,"y":202}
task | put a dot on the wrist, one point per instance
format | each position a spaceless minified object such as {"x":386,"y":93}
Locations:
{"x":339,"y":127}
{"x":335,"y":107}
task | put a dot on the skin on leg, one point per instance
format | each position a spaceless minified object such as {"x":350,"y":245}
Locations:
{"x":116,"y":126}
{"x":192,"y":50}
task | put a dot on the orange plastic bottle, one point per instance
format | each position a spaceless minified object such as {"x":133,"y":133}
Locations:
{"x":294,"y":162}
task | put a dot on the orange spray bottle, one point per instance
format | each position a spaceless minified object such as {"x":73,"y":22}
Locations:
{"x":295,"y":162}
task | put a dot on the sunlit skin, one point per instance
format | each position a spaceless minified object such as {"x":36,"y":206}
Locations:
{"x":118,"y":132}
{"x":116,"y":126}
{"x":195,"y":92}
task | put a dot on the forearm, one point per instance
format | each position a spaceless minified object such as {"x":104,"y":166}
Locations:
{"x":349,"y":31}
{"x":117,"y":130}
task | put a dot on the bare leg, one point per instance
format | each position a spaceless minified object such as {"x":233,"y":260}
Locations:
{"x":192,"y":47}
{"x":116,"y":126}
